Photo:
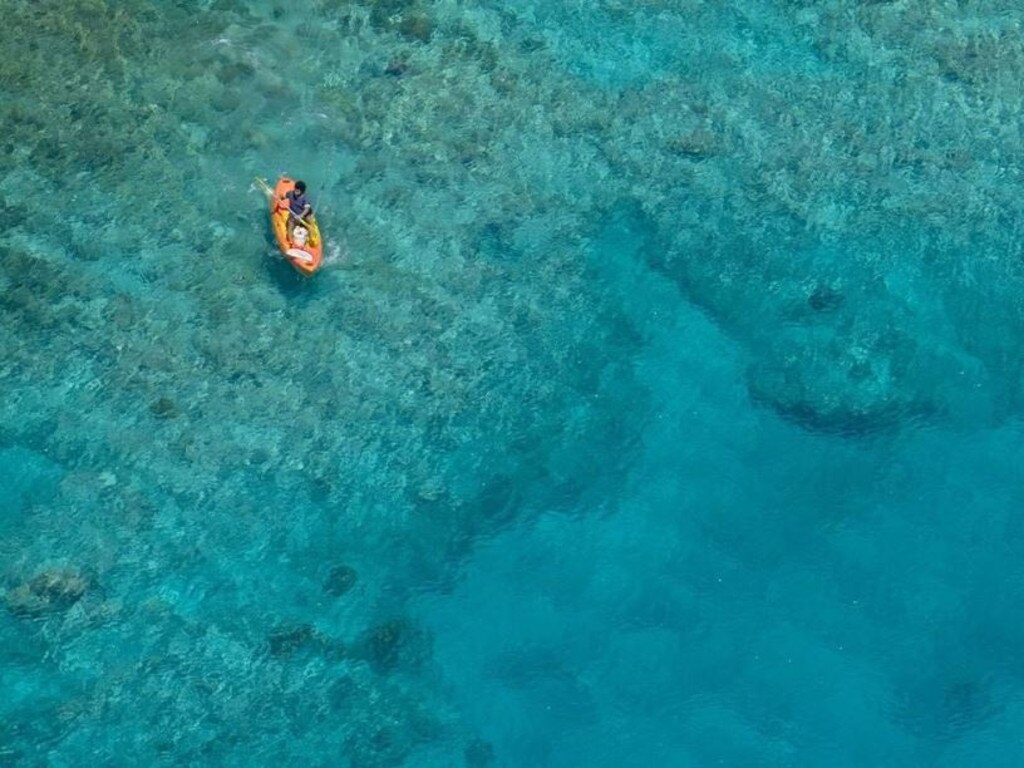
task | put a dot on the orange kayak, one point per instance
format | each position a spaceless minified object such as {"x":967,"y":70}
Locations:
{"x":305,"y":250}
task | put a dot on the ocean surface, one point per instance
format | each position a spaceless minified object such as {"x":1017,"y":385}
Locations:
{"x":659,"y":404}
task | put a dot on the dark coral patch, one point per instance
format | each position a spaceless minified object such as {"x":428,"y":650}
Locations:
{"x":53,"y":589}
{"x":163,"y":408}
{"x":394,"y":643}
{"x":340,"y":580}
{"x":287,"y":640}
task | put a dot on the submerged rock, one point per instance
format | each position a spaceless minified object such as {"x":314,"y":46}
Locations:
{"x":416,"y":27}
{"x":696,"y":145}
{"x":53,"y":589}
{"x":396,"y":67}
{"x":479,"y":754}
{"x":394,"y":643}
{"x":286,"y":640}
{"x":836,"y":383}
{"x":340,"y":580}
{"x":384,"y":642}
{"x":163,"y":408}
{"x":62,"y":586}
{"x":403,"y":17}
{"x":825,"y":298}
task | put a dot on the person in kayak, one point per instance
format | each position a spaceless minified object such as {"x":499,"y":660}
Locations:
{"x":298,"y":206}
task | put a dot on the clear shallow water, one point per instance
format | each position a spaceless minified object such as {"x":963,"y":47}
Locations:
{"x":659,"y":404}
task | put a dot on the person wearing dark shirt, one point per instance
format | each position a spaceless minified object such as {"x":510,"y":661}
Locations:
{"x":298,"y":206}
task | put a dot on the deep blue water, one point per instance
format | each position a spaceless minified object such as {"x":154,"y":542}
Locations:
{"x":659,"y":403}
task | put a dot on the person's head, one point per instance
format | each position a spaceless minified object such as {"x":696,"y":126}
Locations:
{"x":300,"y":186}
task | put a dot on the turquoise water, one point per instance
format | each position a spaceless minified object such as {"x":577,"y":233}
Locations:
{"x":659,"y":403}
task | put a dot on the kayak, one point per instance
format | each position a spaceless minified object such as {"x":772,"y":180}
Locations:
{"x":305,"y":249}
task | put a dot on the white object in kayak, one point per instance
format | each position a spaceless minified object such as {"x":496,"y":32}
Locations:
{"x":301,"y":255}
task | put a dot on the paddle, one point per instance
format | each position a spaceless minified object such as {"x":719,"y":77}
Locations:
{"x":269,"y":191}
